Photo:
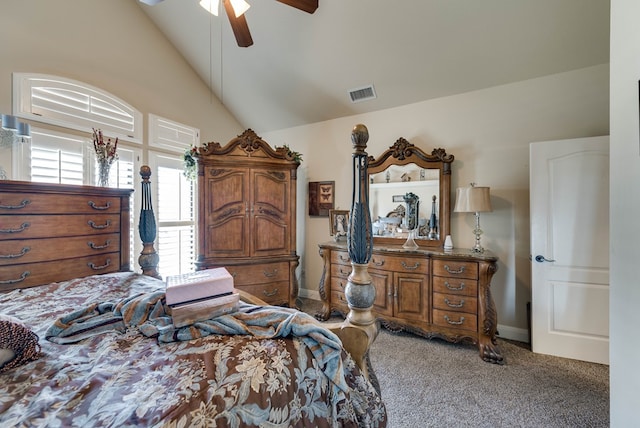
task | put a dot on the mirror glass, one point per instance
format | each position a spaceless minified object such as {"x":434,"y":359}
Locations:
{"x":387,"y":192}
{"x":409,"y":194}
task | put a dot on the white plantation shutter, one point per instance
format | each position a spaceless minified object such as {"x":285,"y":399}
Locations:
{"x":56,"y":158}
{"x":170,"y":135}
{"x":75,"y":105}
{"x":175,"y":212}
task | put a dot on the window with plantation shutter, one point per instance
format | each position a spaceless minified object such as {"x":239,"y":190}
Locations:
{"x":174,"y":196}
{"x":56,"y":158}
{"x":75,"y":105}
{"x":170,"y":135}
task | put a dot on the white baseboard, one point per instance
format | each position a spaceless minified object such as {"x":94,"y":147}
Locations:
{"x":513,"y":333}
{"x":309,"y":294}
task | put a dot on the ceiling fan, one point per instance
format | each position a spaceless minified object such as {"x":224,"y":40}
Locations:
{"x":235,"y":11}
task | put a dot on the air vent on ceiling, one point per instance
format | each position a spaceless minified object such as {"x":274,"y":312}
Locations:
{"x":362,"y":94}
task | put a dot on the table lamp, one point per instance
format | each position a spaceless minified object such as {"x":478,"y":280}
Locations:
{"x":475,"y":200}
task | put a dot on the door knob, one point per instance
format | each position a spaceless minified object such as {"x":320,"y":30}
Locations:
{"x":541,"y":258}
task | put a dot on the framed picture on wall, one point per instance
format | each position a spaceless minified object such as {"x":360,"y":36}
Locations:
{"x":321,"y":197}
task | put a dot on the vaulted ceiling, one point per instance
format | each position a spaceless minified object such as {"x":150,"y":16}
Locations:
{"x":301,"y":67}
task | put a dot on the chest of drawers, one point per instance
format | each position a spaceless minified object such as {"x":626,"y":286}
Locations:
{"x":427,"y":292}
{"x":53,"y":232}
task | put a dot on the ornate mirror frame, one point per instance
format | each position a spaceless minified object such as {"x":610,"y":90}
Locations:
{"x":401,"y":153}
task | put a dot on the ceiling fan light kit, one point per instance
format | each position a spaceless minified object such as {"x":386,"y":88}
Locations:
{"x":235,"y":11}
{"x":239,"y":6}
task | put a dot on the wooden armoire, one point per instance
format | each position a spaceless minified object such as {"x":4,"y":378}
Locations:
{"x":247,"y":216}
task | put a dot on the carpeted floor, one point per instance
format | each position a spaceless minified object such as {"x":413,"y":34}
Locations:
{"x":433,"y":383}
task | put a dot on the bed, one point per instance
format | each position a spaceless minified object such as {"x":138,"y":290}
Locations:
{"x":101,"y":350}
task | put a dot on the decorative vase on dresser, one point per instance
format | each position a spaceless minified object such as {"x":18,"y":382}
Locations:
{"x":422,"y":288}
{"x":247,"y":215}
{"x":55,"y":232}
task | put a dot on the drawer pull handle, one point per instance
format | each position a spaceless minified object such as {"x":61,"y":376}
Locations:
{"x":343,"y":258}
{"x":98,"y":207}
{"x":24,"y":275}
{"x":341,"y":285}
{"x":22,"y":227}
{"x":270,"y":293}
{"x":343,"y":272}
{"x":453,"y":271}
{"x":450,"y":321}
{"x":454,"y":305}
{"x":99,"y":247}
{"x":380,"y":263}
{"x":414,"y":267}
{"x":270,"y":274}
{"x":99,"y":226}
{"x":24,"y":251}
{"x":450,"y":287}
{"x":104,"y":266}
{"x":23,"y":204}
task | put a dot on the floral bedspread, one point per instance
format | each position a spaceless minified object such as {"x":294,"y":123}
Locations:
{"x":124,"y":378}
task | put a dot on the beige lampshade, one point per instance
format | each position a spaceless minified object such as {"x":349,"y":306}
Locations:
{"x":472,"y":200}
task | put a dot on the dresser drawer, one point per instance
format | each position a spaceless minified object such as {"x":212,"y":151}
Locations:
{"x":47,"y":226}
{"x":457,"y":303}
{"x":453,"y":268}
{"x":341,"y":271}
{"x":461,"y":320}
{"x":400,"y":263}
{"x":274,"y":293}
{"x":455,"y":286}
{"x":41,"y":203}
{"x":259,"y":274}
{"x":30,"y":274}
{"x":38,"y":250}
{"x":340,"y":257}
{"x":338,"y":284}
{"x":339,"y":301}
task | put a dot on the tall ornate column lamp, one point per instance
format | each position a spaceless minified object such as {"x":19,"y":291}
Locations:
{"x":475,"y":200}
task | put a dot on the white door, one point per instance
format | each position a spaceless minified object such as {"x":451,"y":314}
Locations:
{"x":569,"y":199}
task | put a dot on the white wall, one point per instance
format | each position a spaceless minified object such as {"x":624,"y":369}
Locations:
{"x":488,"y":132}
{"x":624,"y":214}
{"x":111,"y":45}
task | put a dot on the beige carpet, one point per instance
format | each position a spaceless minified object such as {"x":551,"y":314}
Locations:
{"x":433,"y":383}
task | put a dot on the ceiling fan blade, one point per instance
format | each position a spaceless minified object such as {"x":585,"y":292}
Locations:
{"x":308,"y":6}
{"x":151,"y":2}
{"x":239,"y":26}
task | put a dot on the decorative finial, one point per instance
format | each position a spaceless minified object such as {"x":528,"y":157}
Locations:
{"x":145,"y":172}
{"x":359,"y":138}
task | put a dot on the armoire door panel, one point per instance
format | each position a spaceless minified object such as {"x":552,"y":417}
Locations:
{"x":269,"y":237}
{"x":270,"y":190}
{"x":226,"y":191}
{"x":225,"y":238}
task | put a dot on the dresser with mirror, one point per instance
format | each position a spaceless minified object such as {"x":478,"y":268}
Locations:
{"x":420,"y":287}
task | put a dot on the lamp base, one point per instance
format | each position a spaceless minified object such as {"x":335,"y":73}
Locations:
{"x":477,"y":231}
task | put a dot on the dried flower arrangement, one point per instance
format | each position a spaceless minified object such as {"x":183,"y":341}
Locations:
{"x":105,"y":151}
{"x":105,"y":154}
